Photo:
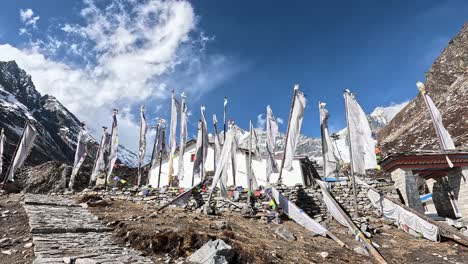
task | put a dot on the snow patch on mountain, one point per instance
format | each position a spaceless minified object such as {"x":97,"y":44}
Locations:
{"x":381,"y":116}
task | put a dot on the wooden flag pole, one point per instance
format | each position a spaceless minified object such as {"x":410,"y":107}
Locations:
{"x":160,"y":165}
{"x":351,"y":156}
{"x":216,"y":135}
{"x":356,"y":231}
{"x":224,"y":118}
{"x":249,"y":170}
{"x":139,"y":150}
{"x":296,"y":88}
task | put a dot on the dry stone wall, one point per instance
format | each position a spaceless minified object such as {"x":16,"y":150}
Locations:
{"x":308,"y":199}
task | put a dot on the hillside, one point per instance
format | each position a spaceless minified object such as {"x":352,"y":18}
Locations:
{"x":447,"y":83}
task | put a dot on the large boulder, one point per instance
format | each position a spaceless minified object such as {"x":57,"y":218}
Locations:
{"x":213,"y":252}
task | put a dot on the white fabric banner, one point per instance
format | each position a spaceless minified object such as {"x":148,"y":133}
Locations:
{"x":445,"y":139}
{"x":330,"y":162}
{"x":100,"y":163}
{"x":362,"y":148}
{"x":331,"y":205}
{"x":251,"y":180}
{"x":221,"y":163}
{"x":172,"y":134}
{"x":114,"y":145}
{"x":25,"y":145}
{"x":294,"y":128}
{"x":206,"y":141}
{"x":406,"y":220}
{"x":236,"y":134}
{"x":80,"y":156}
{"x":2,"y":146}
{"x":198,"y":151}
{"x":271,"y":133}
{"x":159,"y":149}
{"x":183,"y":137}
{"x":143,"y":130}
{"x":297,"y":214}
{"x":218,"y":149}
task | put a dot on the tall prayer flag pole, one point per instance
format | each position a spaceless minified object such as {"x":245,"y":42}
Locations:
{"x":296,"y":88}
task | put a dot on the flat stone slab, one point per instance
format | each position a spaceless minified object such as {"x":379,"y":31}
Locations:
{"x":64,"y":232}
{"x":41,"y":199}
{"x":61,"y":219}
{"x":92,"y":247}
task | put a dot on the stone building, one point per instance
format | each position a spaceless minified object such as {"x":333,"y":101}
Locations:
{"x":428,"y":172}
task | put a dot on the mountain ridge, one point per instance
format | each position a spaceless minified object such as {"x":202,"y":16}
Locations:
{"x":57,"y":127}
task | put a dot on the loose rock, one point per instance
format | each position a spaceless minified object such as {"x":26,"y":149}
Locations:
{"x":213,"y":252}
{"x":285,"y":233}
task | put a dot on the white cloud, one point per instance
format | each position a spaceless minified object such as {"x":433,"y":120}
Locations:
{"x":279,"y":120}
{"x":261,"y":121}
{"x":127,"y":53}
{"x":28,"y":19}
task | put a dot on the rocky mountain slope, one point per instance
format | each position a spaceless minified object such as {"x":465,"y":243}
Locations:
{"x":57,"y":127}
{"x":447,"y":84}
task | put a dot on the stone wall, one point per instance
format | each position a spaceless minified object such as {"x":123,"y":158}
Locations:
{"x":308,"y":199}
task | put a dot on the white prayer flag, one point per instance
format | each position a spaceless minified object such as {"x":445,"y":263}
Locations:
{"x":142,"y":142}
{"x":330,"y":162}
{"x":297,"y":214}
{"x":251,"y":179}
{"x":80,"y":156}
{"x":218,"y":149}
{"x":221,"y":163}
{"x":205,"y":136}
{"x":100,"y":163}
{"x":114,"y":145}
{"x":25,"y":145}
{"x":183,"y":136}
{"x":143,"y":130}
{"x":271,"y":133}
{"x":443,"y":135}
{"x":172,"y":133}
{"x":198,"y":151}
{"x":362,"y":150}
{"x":295,"y":124}
{"x":2,"y":146}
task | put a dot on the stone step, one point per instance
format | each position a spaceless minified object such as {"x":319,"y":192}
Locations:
{"x":64,"y":232}
{"x":60,"y":219}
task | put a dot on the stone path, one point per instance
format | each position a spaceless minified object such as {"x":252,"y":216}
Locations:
{"x":64,"y":232}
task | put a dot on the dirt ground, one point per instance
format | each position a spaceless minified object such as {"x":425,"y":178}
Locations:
{"x":179,"y":233}
{"x":14,"y":228}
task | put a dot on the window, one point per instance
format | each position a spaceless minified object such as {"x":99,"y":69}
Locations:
{"x":192,"y":157}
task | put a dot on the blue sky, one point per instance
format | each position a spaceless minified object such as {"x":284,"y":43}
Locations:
{"x":93,"y":58}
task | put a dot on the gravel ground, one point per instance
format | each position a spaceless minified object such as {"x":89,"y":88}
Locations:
{"x":17,"y":244}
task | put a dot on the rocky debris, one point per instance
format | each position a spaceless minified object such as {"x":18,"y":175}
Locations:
{"x":49,"y":177}
{"x":446,"y":82}
{"x":213,"y":252}
{"x":6,"y":242}
{"x":8,"y":252}
{"x":361,"y":250}
{"x":64,"y":232}
{"x":221,"y":225}
{"x":285,"y":233}
{"x":324,"y":254}
{"x":28,"y":245}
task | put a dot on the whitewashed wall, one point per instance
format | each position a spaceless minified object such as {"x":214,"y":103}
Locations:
{"x":290,"y":178}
